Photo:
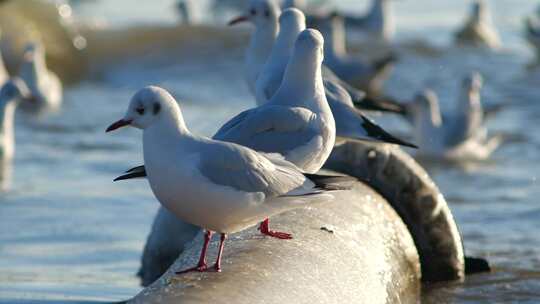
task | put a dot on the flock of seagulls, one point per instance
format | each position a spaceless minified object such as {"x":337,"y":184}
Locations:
{"x":310,"y":95}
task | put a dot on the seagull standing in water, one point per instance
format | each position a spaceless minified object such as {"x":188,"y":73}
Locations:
{"x":263,"y":14}
{"x":352,"y":69}
{"x":45,"y":86}
{"x":350,"y":122}
{"x":479,"y":30}
{"x":461,"y":135}
{"x":219,"y":186}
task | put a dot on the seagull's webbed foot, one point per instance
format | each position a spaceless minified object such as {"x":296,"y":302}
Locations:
{"x":276,"y":234}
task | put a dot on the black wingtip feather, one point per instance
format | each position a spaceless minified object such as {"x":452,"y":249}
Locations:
{"x":136,"y":169}
{"x":383,"y":104}
{"x":379,"y":133}
{"x":131,"y":176}
{"x":331,"y":182}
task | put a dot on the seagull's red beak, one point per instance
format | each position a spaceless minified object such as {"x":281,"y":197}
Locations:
{"x":119,"y":124}
{"x":238,"y":20}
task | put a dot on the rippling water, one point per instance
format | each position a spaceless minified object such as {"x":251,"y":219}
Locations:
{"x":68,"y":234}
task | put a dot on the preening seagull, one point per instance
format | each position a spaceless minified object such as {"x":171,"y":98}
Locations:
{"x":220,"y":186}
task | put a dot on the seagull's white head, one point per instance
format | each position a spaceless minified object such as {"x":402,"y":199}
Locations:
{"x":292,"y":20}
{"x":309,"y":47}
{"x":303,"y":72}
{"x":259,"y":12}
{"x":14,"y":90}
{"x":148,"y":106}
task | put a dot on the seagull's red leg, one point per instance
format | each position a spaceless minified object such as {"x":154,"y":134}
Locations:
{"x":201,"y":266}
{"x":217,"y":266}
{"x":279,"y":235}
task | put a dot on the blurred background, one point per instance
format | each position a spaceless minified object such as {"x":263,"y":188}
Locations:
{"x":68,"y":234}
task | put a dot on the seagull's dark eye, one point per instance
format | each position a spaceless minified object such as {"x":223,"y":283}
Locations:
{"x":140,"y":111}
{"x":253,"y":12}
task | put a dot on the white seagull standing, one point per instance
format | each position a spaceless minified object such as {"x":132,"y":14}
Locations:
{"x":378,"y":24}
{"x":44,"y":85}
{"x":263,"y":14}
{"x":479,"y":30}
{"x":461,"y":135}
{"x":350,"y":122}
{"x":219,"y":186}
{"x":11,"y":94}
{"x":352,"y":69}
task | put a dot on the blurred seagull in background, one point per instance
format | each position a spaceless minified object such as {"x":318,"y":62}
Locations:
{"x":350,"y":122}
{"x":12,"y":93}
{"x":463,"y":134}
{"x":352,"y":69}
{"x":219,"y":186}
{"x":479,"y":30}
{"x":378,"y":24}
{"x":45,"y":87}
{"x":264,"y":15}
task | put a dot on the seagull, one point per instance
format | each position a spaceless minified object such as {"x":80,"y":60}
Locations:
{"x":219,"y":186}
{"x":263,"y":14}
{"x":461,"y":135}
{"x":479,"y":30}
{"x":377,"y":24}
{"x":11,"y":94}
{"x":352,"y":69}
{"x":44,"y":85}
{"x":350,"y":122}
